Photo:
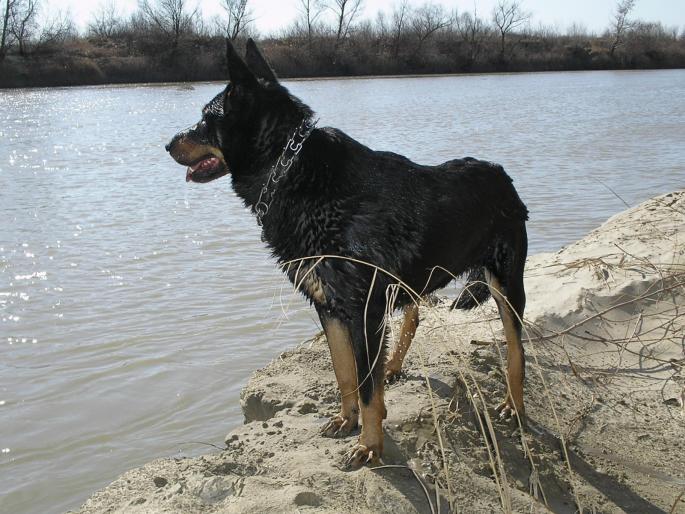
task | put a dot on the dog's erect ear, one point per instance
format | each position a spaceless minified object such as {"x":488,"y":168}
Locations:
{"x":257,"y":63}
{"x":238,"y":72}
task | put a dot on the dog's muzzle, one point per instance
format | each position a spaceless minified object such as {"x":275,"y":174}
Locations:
{"x":204,"y":162}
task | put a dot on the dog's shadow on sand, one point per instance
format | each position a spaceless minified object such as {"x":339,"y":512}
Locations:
{"x":557,"y":492}
{"x":404,"y":479}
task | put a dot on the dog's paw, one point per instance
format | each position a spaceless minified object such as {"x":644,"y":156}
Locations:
{"x":359,"y":456}
{"x":338,"y":426}
{"x":507,"y":411}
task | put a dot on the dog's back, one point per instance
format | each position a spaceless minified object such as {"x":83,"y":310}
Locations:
{"x":409,"y":219}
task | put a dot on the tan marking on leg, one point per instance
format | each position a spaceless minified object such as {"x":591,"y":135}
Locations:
{"x":373,"y":415}
{"x":407,"y":332}
{"x":315,"y":288}
{"x":345,"y":367}
{"x":369,"y":449}
{"x":308,"y":281}
{"x":515,"y":360}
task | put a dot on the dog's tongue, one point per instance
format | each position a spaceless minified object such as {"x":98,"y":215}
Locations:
{"x":209,"y":162}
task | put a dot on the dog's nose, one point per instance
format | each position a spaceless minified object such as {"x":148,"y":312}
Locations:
{"x":167,"y":147}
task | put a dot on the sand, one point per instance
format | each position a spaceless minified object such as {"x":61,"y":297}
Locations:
{"x":604,"y":390}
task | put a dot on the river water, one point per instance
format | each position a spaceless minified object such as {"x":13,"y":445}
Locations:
{"x":133,"y":306}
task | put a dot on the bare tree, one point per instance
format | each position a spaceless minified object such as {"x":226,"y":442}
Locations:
{"x":381,"y":27}
{"x":473,"y":31}
{"x":23,"y":22}
{"x":56,"y":29}
{"x":429,"y":19}
{"x":620,"y":23}
{"x":6,"y":31}
{"x":578,"y":32}
{"x":507,"y":16}
{"x":106,"y":21}
{"x":400,"y":19}
{"x":311,"y":11}
{"x":171,"y":17}
{"x":239,"y":17}
{"x":202,"y":27}
{"x":544,"y":33}
{"x":346,"y":12}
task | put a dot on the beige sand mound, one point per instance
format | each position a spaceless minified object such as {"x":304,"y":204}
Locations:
{"x":604,"y":392}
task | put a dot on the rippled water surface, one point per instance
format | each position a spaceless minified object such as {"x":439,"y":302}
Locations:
{"x":133,"y":306}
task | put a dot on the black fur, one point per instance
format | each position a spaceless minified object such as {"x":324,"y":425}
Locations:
{"x":421,"y":224}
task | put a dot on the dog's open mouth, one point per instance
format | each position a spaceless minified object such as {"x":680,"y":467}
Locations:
{"x":208,"y":168}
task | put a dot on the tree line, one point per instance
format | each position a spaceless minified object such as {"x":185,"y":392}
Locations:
{"x":171,"y":40}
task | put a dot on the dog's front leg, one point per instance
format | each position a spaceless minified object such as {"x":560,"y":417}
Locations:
{"x":342,"y":355}
{"x":369,"y":448}
{"x":368,"y":337}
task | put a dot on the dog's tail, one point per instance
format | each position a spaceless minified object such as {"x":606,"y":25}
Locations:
{"x":475,"y":292}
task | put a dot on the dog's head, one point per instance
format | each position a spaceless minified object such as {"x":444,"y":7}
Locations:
{"x":207,"y":147}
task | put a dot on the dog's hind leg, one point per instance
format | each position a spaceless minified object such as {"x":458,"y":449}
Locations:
{"x":407,"y":332}
{"x":505,"y":280}
{"x":515,"y":357}
{"x":342,"y":355}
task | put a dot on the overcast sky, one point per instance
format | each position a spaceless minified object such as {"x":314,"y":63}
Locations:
{"x":272,"y":15}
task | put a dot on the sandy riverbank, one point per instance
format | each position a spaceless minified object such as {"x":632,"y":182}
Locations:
{"x":604,"y":390}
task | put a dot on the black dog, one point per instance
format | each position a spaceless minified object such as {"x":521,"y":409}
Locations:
{"x":349,"y":223}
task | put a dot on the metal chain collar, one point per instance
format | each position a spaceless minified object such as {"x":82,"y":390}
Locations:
{"x":281,"y":167}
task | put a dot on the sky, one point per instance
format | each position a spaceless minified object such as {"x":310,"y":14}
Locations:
{"x":272,"y":15}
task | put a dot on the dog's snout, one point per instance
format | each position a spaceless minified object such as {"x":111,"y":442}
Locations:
{"x":170,"y":145}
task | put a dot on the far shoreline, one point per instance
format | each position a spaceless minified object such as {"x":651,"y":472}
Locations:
{"x":339,"y":78}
